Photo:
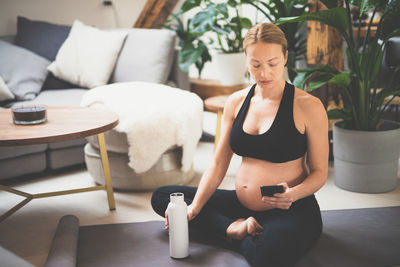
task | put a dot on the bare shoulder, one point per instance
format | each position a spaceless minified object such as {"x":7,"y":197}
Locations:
{"x":234,"y":101}
{"x":310,"y":108}
{"x":238,"y":96}
{"x":307,"y":102}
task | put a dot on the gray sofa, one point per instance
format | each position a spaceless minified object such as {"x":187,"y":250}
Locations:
{"x":147,"y":55}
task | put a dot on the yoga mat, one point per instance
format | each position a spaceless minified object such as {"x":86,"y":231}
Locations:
{"x":146,"y":245}
{"x":356,"y":237}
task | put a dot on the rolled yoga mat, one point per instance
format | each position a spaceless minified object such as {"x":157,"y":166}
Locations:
{"x":64,"y":248}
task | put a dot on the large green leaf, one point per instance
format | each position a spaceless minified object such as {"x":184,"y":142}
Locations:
{"x":318,"y":80}
{"x":300,"y":79}
{"x":246,"y":23}
{"x":304,"y":74}
{"x":335,"y":17}
{"x":342,"y":79}
{"x":222,"y":9}
{"x":390,"y":21}
{"x":188,"y":55}
{"x":320,"y":76}
{"x":335,"y":114}
{"x":232,"y":3}
{"x":319,"y":69}
{"x":189,"y":4}
{"x":201,"y":22}
{"x":204,"y":58}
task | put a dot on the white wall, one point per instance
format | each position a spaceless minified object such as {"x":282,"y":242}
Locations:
{"x":123,"y":13}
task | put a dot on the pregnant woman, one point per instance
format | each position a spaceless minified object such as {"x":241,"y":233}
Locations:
{"x":281,"y":133}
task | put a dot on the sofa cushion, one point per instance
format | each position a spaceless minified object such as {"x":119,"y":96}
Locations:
{"x":61,"y":158}
{"x":66,"y":97}
{"x":88,"y":56}
{"x":53,"y":83}
{"x":23,"y":165}
{"x":42,"y":38}
{"x":7,"y":152}
{"x":8,"y":38}
{"x":5,"y":93}
{"x":147,"y":55}
{"x":70,"y":143}
{"x":24,"y":72}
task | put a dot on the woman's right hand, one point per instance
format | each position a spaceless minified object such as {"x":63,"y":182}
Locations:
{"x":191,"y":214}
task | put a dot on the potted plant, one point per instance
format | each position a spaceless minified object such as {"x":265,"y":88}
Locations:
{"x":366,"y":148}
{"x":226,"y":25}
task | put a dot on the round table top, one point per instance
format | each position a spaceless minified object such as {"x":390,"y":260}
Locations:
{"x":63,"y":123}
{"x":215,"y":103}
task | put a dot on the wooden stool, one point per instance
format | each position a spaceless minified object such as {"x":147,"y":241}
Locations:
{"x":216,"y":104}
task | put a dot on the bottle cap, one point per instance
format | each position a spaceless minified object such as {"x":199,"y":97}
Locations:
{"x":176,"y":197}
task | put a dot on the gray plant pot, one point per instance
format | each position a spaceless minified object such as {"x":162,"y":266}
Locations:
{"x":365,"y":161}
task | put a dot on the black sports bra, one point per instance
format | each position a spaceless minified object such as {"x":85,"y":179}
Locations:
{"x":281,"y":143}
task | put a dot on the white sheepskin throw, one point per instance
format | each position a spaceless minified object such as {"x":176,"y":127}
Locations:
{"x":155,"y":117}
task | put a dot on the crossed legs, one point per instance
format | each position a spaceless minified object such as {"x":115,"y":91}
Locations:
{"x":268,"y":238}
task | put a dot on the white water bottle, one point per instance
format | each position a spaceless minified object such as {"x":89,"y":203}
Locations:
{"x":178,"y":227}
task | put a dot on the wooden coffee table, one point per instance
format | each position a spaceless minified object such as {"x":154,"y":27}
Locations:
{"x":63,"y":123}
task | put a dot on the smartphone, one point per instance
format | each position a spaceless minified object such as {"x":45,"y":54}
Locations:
{"x":270,"y":190}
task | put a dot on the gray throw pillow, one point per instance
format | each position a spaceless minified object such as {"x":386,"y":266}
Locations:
{"x":147,"y":56}
{"x":22,"y":71}
{"x":5,"y":93}
{"x":40,"y":37}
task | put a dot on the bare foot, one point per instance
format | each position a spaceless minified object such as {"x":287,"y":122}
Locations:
{"x":253,"y":227}
{"x":237,"y":230}
{"x":241,"y":227}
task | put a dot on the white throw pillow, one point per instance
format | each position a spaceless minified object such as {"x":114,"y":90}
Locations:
{"x":88,"y":55}
{"x":5,"y":93}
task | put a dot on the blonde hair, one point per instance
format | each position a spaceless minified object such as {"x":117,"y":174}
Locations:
{"x":266,"y":33}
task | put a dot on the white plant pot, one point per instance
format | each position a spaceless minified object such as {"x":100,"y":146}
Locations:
{"x":231,"y":68}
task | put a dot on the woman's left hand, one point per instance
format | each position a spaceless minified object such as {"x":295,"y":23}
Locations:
{"x":281,"y":200}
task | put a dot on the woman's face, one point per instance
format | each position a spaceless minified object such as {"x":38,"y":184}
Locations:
{"x":266,"y":63}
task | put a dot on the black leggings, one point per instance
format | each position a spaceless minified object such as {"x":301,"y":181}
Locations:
{"x":287,"y":234}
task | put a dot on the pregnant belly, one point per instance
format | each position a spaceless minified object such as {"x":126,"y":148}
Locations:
{"x":254,"y":173}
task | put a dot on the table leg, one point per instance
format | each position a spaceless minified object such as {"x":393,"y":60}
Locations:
{"x":218,"y":131}
{"x":28,"y":197}
{"x":106,"y":170}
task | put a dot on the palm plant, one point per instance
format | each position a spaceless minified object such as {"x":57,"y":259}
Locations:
{"x":212,"y":17}
{"x":364,"y":103}
{"x":276,"y":9}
